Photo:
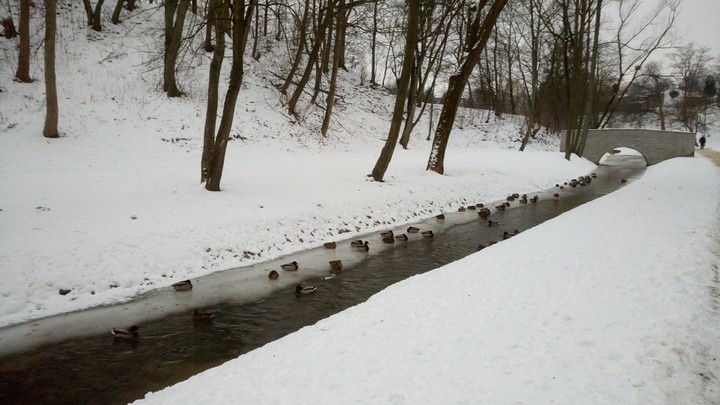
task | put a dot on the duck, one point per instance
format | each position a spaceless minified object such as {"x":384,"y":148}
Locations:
{"x":290,"y":266}
{"x":534,"y":199}
{"x":364,"y":247}
{"x":480,"y":205}
{"x":329,"y":245}
{"x":202,"y":316}
{"x":556,"y":195}
{"x":299,"y":289}
{"x":273,"y":275}
{"x":336,"y":265}
{"x":402,"y":237}
{"x":440,"y":216}
{"x":484,"y":213}
{"x":183,"y":285}
{"x":386,"y":234}
{"x":130,"y":333}
{"x":356,"y":243}
{"x":480,"y":247}
{"x":427,"y":234}
{"x":471,"y":207}
{"x":523,"y":200}
{"x":507,"y":235}
{"x":413,"y":229}
{"x":623,"y":180}
{"x":500,"y":207}
{"x":388,"y":239}
{"x":493,"y":223}
{"x":462,"y":209}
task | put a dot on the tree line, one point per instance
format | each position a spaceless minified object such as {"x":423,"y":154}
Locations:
{"x":562,"y":64}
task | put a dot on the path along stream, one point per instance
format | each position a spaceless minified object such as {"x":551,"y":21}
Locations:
{"x":89,"y":366}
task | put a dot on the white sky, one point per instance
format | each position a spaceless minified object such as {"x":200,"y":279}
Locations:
{"x":699,"y":22}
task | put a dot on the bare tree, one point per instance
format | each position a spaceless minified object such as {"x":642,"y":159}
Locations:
{"x":23,"y":70}
{"x":479,"y":33}
{"x":50,"y":130}
{"x":175,"y":12}
{"x":385,"y":157}
{"x":242,"y":14}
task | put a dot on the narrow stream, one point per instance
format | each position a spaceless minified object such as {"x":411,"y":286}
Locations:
{"x":101,"y":370}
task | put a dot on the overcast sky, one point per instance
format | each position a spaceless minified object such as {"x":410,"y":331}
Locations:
{"x":699,"y":21}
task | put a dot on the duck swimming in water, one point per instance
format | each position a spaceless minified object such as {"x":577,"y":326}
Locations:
{"x":336,"y":265}
{"x":290,"y":266}
{"x":130,"y":333}
{"x":299,"y":289}
{"x":413,"y":229}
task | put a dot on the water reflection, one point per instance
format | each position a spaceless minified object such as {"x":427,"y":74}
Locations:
{"x":102,"y":370}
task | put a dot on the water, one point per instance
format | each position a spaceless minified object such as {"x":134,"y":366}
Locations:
{"x":98,"y":369}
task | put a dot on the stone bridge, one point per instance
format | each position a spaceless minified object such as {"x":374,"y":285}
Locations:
{"x":654,"y":145}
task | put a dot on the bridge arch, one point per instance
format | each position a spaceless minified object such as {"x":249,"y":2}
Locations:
{"x":654,"y":145}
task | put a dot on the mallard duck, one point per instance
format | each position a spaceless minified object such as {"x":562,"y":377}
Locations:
{"x":480,"y":247}
{"x":299,"y":289}
{"x":471,"y":207}
{"x":336,"y":265}
{"x":534,"y":199}
{"x":515,"y":232}
{"x":523,"y":200}
{"x":413,"y":229}
{"x":507,"y":235}
{"x":329,"y":245}
{"x":364,"y":247}
{"x":273,"y":275}
{"x":130,"y":333}
{"x":427,"y":234}
{"x":462,"y":209}
{"x":388,"y":239}
{"x":290,"y":266}
{"x":500,"y":207}
{"x":480,"y":205}
{"x":401,"y":237}
{"x":440,"y":216}
{"x":202,"y":316}
{"x":356,"y":243}
{"x":556,"y":195}
{"x":623,"y":180}
{"x":594,"y":175}
{"x":183,"y":286}
{"x":386,"y":234}
{"x":484,"y":213}
{"x":493,"y":223}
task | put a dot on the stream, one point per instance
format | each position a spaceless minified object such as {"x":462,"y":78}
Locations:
{"x":93,"y":368}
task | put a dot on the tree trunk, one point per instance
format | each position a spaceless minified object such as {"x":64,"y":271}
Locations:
{"x":373,"y":45}
{"x":337,"y":50}
{"x":386,"y":154}
{"x":173,"y":39}
{"x":590,"y":92}
{"x":97,"y":16}
{"x":240,"y":29}
{"x":312,"y":59}
{"x":301,"y":46}
{"x":213,"y":92}
{"x":50,"y":129}
{"x":88,"y":12}
{"x":23,"y":70}
{"x":456,"y":83}
{"x":115,"y":19}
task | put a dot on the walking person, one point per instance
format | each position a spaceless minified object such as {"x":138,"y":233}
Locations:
{"x":702,"y":142}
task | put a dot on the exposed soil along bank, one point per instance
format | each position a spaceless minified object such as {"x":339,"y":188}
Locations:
{"x":251,"y":310}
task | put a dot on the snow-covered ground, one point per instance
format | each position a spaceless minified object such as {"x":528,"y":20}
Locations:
{"x":615,"y":302}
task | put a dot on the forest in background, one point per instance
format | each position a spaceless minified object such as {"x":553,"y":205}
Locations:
{"x":561,"y":64}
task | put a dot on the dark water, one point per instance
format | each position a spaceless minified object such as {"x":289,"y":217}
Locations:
{"x":99,"y":370}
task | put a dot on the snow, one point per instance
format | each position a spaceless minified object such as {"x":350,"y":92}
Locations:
{"x":619,"y":305}
{"x":613,"y":302}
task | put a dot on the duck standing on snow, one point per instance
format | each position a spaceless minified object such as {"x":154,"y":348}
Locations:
{"x":299,"y":289}
{"x":130,"y":333}
{"x":290,"y":266}
{"x":183,"y":286}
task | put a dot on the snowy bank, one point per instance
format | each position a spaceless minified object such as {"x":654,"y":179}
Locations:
{"x":613,"y":302}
